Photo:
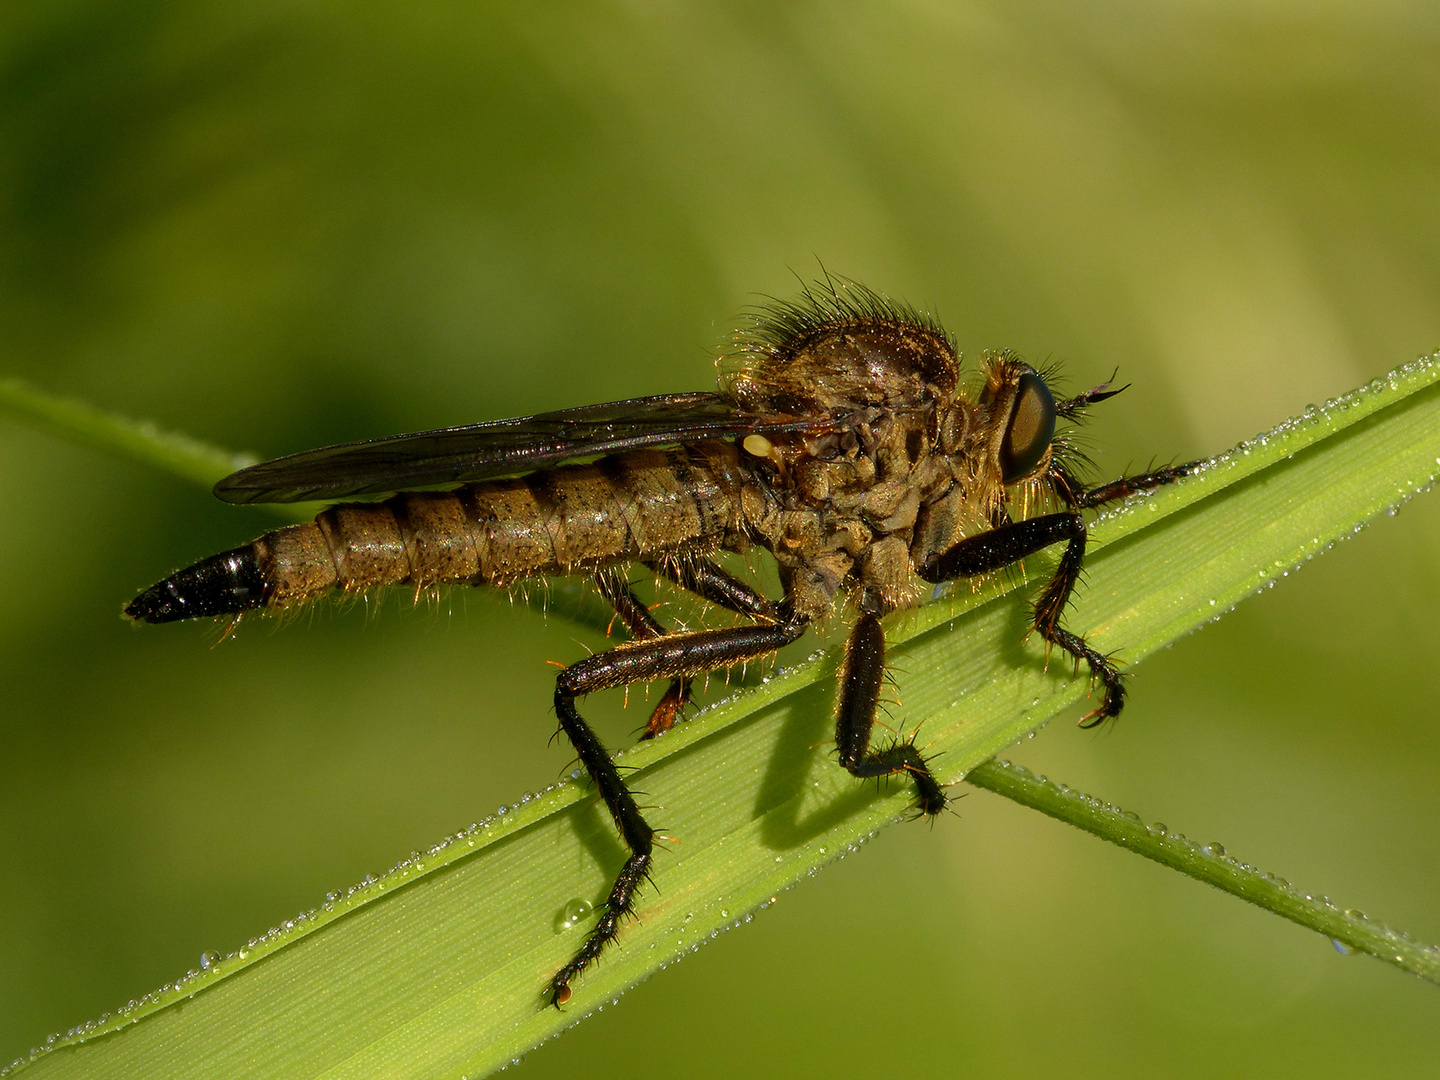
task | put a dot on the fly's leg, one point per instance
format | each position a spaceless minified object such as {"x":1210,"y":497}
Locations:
{"x":674,"y":656}
{"x":1009,"y":544}
{"x":1057,"y":594}
{"x":707,"y":581}
{"x":860,"y":676}
{"x":643,"y":626}
{"x":667,"y":710}
{"x":1077,"y":497}
{"x":1012,"y":542}
{"x":699,"y":576}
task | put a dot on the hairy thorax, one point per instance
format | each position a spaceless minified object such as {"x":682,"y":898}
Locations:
{"x":853,"y":512}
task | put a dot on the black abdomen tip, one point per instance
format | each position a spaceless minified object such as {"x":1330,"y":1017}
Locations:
{"x":223,"y":584}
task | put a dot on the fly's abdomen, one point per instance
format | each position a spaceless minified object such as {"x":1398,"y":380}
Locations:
{"x":574,"y":518}
{"x":223,"y":584}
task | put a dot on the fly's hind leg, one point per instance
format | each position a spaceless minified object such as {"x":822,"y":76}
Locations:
{"x":709,"y":582}
{"x":643,"y":626}
{"x":673,"y":656}
{"x":860,"y":675}
{"x":1010,"y":543}
{"x":701,"y":577}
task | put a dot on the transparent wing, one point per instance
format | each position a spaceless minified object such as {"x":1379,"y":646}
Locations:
{"x":498,"y":448}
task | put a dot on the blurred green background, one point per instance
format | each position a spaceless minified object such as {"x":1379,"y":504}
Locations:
{"x":279,"y":225}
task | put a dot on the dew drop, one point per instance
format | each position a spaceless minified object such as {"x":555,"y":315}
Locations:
{"x":208,"y":959}
{"x":1341,"y":947}
{"x":1215,"y":850}
{"x":1158,"y":829}
{"x":572,"y":914}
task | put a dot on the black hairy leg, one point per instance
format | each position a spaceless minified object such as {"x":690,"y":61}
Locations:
{"x":860,"y":676}
{"x":699,"y":576}
{"x":643,"y":626}
{"x":673,"y":656}
{"x":1080,"y":498}
{"x":1009,"y":544}
{"x":709,"y":582}
{"x":1012,"y":542}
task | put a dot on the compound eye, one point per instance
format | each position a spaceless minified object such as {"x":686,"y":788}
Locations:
{"x":1032,"y":426}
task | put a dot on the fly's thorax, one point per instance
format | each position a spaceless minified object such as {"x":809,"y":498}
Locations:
{"x":828,"y":366}
{"x":845,"y":506}
{"x":964,"y":487}
{"x":960,"y":511}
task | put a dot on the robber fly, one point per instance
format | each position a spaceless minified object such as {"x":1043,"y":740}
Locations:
{"x":841,"y":441}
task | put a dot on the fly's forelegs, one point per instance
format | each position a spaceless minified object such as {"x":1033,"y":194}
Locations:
{"x":1011,"y":543}
{"x":674,"y":656}
{"x":1118,"y":490}
{"x":860,"y":676}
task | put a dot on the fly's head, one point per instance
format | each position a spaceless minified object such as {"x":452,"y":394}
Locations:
{"x":1015,"y":452}
{"x":999,"y":442}
{"x":1017,"y":420}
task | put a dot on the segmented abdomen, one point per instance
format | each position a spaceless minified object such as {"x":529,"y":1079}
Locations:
{"x":638,"y":505}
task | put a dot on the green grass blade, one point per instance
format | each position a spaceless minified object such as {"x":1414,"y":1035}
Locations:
{"x":436,"y":970}
{"x":1351,"y":929}
{"x":134,"y":440}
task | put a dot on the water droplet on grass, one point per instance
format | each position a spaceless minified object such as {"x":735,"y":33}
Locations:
{"x":572,"y":914}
